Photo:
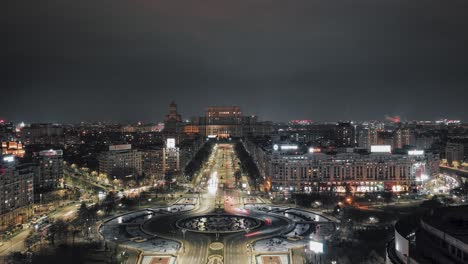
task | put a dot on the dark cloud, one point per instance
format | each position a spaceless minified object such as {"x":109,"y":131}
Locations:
{"x":126,"y":60}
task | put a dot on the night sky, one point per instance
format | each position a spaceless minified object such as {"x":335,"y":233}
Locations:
{"x":325,"y":60}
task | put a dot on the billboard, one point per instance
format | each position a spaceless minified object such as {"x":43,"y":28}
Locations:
{"x":289,"y":147}
{"x":415,"y":152}
{"x":170,"y":143}
{"x":381,"y":149}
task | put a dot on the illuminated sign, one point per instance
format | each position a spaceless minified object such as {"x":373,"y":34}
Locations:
{"x":9,"y":158}
{"x":212,"y":136}
{"x":415,"y":152}
{"x":316,"y":247}
{"x":289,"y":147}
{"x":277,"y":147}
{"x":381,"y":149}
{"x":314,"y":150}
{"x":170,"y":143}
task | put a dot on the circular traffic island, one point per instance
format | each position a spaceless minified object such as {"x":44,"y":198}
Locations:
{"x":218,"y":223}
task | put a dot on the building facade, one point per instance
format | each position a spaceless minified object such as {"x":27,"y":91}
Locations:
{"x":13,"y":147}
{"x":439,"y":237}
{"x":43,"y":134}
{"x":222,"y":121}
{"x":152,"y":162}
{"x":50,"y":163}
{"x":16,"y":191}
{"x":121,"y":161}
{"x":345,"y":135}
{"x":171,"y":158}
{"x":287,"y":167}
{"x":454,"y":151}
{"x":173,"y":125}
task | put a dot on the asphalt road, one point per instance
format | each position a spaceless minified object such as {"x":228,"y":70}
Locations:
{"x":17,"y":242}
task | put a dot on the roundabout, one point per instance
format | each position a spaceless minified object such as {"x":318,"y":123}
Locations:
{"x":247,"y":230}
{"x":218,"y":223}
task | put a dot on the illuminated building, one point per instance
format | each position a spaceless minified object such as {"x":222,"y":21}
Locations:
{"x":13,"y":147}
{"x":152,"y":162}
{"x":171,"y":161}
{"x":345,"y":135}
{"x":454,"y":151}
{"x":121,"y":161}
{"x":307,"y":133}
{"x":301,"y":122}
{"x":223,"y":115}
{"x":7,"y":131}
{"x":50,"y":175}
{"x":222,"y":121}
{"x":191,"y":129}
{"x":385,"y":137}
{"x":16,"y":191}
{"x":142,"y":128}
{"x":290,"y":168}
{"x":43,"y":134}
{"x":403,"y":137}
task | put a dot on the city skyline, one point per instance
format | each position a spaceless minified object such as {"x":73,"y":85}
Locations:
{"x":188,"y":119}
{"x":234,"y":132}
{"x":304,"y":60}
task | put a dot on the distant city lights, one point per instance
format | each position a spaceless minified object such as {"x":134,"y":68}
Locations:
{"x":314,"y":150}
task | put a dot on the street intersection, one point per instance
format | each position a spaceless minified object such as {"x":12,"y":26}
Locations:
{"x":223,"y":212}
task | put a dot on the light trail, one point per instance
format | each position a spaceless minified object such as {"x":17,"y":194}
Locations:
{"x":213,"y":183}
